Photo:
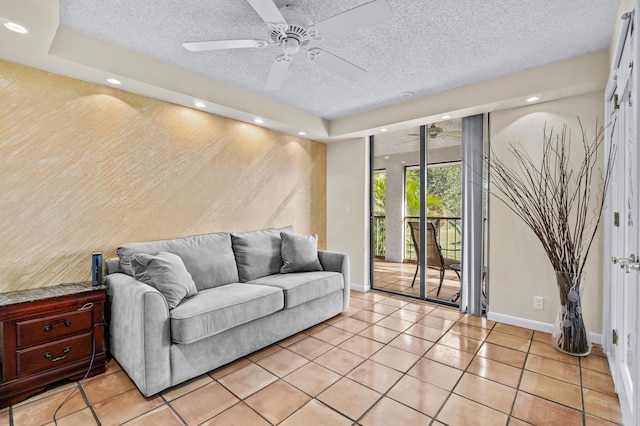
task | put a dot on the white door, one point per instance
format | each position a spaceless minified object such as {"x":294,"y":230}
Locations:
{"x":623,"y":233}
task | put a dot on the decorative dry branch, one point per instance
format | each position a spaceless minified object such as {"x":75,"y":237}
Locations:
{"x":555,"y":200}
{"x":560,"y":204}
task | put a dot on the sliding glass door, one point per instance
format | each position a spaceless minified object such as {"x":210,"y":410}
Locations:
{"x":401,"y":162}
{"x":417,"y":199}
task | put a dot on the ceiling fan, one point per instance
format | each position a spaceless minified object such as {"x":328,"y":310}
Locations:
{"x":433,"y":132}
{"x":292,"y":30}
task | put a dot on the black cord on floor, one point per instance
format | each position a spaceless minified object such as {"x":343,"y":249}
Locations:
{"x":80,"y":382}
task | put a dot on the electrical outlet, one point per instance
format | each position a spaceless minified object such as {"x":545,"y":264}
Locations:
{"x":538,"y":302}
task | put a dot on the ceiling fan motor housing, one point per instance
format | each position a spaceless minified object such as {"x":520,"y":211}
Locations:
{"x":297,"y":35}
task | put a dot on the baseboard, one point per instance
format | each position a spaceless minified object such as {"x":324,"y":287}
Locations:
{"x":360,"y":287}
{"x":534,"y":325}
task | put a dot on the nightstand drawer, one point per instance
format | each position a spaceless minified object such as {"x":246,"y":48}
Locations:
{"x":54,"y":354}
{"x":41,"y":330}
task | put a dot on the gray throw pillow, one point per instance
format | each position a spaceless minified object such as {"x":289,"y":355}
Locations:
{"x":166,"y":272}
{"x":258,"y":253}
{"x":299,"y":253}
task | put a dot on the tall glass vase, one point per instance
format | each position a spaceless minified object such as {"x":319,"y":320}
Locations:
{"x":570,"y":334}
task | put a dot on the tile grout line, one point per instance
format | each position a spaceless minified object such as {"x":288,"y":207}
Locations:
{"x":463,"y":373}
{"x":436,"y":342}
{"x":584,"y":409}
{"x":168,"y":403}
{"x":383,"y":395}
{"x":448,"y":330}
{"x":86,"y":400}
{"x":524,"y":364}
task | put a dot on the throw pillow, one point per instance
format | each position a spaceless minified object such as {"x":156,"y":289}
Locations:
{"x":258,"y":253}
{"x":166,"y":272}
{"x":299,"y":253}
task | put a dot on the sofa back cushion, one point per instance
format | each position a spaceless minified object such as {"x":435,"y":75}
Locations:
{"x":258,"y":252}
{"x":208,"y":257}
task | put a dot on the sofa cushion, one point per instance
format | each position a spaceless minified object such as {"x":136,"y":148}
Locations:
{"x":258,"y":252}
{"x":208,"y":257}
{"x":165,"y":272}
{"x":299,"y":253}
{"x":302,"y":287}
{"x":218,"y":309}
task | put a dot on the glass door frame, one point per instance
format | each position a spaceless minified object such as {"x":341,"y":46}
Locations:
{"x":422,"y":259}
{"x":472,"y":273}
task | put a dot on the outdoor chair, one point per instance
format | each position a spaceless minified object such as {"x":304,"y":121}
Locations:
{"x":435,"y":259}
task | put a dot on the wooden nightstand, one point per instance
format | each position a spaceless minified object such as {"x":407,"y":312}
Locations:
{"x":49,"y":334}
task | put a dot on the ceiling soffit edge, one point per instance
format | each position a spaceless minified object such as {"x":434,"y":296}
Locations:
{"x":571,"y":77}
{"x":181,"y":86}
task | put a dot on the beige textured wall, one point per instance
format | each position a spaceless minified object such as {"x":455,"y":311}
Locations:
{"x":519,"y":267}
{"x":86,"y":168}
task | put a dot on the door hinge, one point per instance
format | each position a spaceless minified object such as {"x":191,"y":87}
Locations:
{"x":616,"y":105}
{"x":614,"y":337}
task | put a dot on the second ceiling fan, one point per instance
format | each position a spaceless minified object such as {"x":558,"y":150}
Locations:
{"x":292,"y":30}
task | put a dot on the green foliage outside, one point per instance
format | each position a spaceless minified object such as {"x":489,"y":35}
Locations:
{"x":379,"y":224}
{"x":379,"y":192}
{"x":412,"y":196}
{"x":443,"y":200}
{"x":444,"y":185}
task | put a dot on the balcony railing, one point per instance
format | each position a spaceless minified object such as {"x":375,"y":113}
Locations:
{"x":447,"y":233}
{"x":379,"y":236}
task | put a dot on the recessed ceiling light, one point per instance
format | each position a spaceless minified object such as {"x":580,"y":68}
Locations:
{"x":200,"y":104}
{"x":114,"y":81}
{"x":386,"y":156}
{"x":16,"y":28}
{"x":407,"y":94}
{"x":533,"y":99}
{"x":301,"y":133}
{"x":383,"y":130}
{"x":446,"y":117}
{"x":258,"y":121}
{"x":403,"y":162}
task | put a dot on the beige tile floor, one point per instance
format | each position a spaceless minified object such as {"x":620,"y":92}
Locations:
{"x":387,"y":361}
{"x":397,"y":277}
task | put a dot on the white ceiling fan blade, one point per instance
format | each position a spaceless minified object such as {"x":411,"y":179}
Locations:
{"x":336,"y":64}
{"x":278,"y":73}
{"x":359,"y":17}
{"x":199,"y":46}
{"x":269,"y":13}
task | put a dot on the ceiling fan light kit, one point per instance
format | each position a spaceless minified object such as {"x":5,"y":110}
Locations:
{"x":434,"y":131}
{"x":293,"y":31}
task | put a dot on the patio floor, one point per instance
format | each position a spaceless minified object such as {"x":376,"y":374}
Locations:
{"x":398,"y":276}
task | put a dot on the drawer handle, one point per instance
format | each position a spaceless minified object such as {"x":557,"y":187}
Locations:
{"x":50,"y":326}
{"x":58,"y":358}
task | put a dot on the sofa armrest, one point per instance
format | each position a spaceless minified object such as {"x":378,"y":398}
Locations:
{"x":338,"y":262}
{"x":140,"y":332}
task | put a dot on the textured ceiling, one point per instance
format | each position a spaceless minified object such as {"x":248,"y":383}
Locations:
{"x":426,"y":48}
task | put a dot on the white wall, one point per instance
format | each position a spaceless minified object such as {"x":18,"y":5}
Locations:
{"x":348,"y":206}
{"x":519,"y":267}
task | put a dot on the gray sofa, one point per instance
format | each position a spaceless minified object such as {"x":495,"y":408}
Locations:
{"x":231,"y":301}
